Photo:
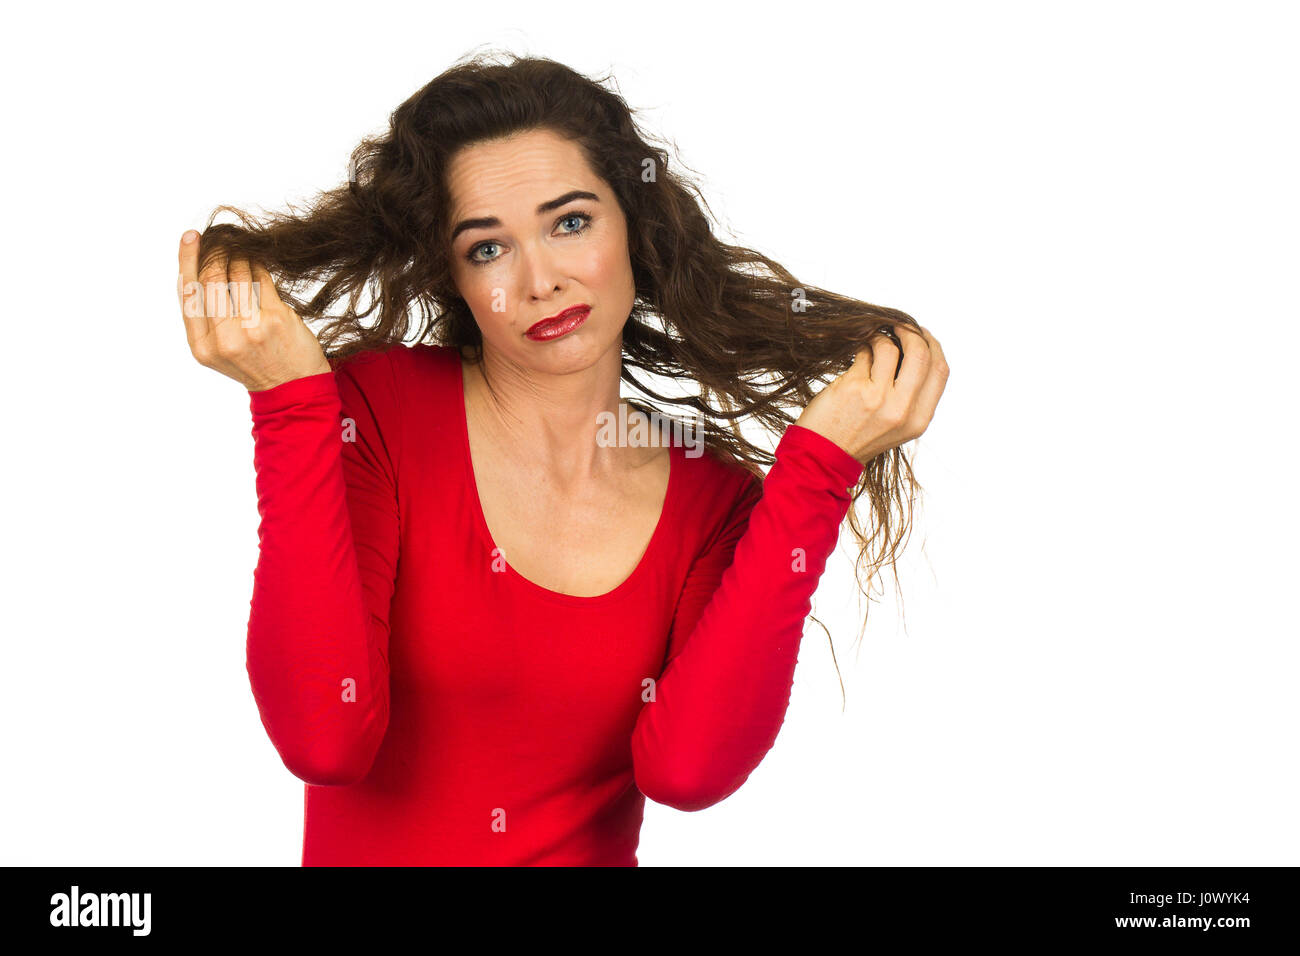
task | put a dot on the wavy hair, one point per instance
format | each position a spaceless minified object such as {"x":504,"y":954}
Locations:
{"x":752,"y":336}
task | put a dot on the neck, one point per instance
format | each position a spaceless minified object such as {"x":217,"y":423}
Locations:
{"x":543,"y":422}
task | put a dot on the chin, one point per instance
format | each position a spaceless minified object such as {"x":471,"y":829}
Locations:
{"x":580,"y":349}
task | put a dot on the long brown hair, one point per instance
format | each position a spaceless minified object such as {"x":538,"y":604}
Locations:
{"x":741,"y":326}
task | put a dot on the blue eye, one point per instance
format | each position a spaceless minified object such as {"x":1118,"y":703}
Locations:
{"x":585,"y":221}
{"x":481,"y":245}
{"x":582,"y":217}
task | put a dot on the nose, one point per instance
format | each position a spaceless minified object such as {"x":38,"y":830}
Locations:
{"x":542,"y":276}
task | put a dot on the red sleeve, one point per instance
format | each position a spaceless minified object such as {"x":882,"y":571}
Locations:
{"x":318,"y":624}
{"x":735,"y":639}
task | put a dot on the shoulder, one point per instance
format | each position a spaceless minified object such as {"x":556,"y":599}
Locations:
{"x":710,"y":466}
{"x":387,"y":386}
{"x":396,"y":367}
{"x":393,"y":394}
{"x":716,"y":491}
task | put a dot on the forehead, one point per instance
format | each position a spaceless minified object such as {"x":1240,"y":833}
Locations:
{"x":522,"y":170}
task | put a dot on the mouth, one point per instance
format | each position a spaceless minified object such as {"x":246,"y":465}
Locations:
{"x":560,"y":324}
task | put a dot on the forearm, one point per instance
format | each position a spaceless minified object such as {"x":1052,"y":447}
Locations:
{"x":720,"y":703}
{"x":315,"y":662}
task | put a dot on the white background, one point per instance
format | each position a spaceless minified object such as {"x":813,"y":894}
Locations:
{"x":1093,"y":206}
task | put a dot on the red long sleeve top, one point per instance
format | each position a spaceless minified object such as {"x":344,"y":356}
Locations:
{"x":443,"y":709}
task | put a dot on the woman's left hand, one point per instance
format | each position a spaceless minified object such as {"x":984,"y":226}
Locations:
{"x":867,"y":411}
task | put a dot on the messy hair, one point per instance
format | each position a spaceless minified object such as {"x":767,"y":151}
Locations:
{"x":754,"y":338}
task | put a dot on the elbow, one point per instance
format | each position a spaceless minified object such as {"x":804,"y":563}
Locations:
{"x":320,"y":751}
{"x":324,"y":771}
{"x":681,"y":791}
{"x":321,"y":767}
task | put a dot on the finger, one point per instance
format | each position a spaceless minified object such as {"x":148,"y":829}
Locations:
{"x":216,"y":291}
{"x":861,"y":365}
{"x":927,"y":399}
{"x":190,"y":291}
{"x":915,"y":364}
{"x":885,"y":364}
{"x":266,"y":291}
{"x":240,"y":275}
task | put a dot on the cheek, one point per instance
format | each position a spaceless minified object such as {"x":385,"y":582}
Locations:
{"x":479,"y":288}
{"x":608,"y":264}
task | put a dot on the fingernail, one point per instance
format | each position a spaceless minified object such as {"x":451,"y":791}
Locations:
{"x":189,"y":236}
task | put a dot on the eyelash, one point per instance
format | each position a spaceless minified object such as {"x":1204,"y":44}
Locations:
{"x":586,"y":222}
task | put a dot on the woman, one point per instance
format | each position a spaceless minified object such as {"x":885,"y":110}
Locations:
{"x":481,"y":631}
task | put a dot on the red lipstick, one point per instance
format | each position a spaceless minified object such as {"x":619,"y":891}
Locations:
{"x":557,"y":325}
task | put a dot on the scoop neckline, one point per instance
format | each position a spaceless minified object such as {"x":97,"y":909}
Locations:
{"x":480,"y":520}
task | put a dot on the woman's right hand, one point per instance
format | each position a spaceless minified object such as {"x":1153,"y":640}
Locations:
{"x":245,"y":333}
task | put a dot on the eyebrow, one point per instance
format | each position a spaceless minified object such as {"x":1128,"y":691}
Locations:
{"x":489,"y":222}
